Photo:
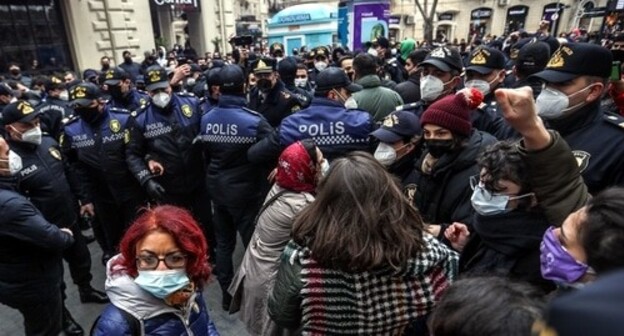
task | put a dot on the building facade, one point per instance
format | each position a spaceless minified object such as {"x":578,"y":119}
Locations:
{"x":462,"y":19}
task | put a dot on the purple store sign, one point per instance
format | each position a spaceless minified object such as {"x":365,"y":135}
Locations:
{"x":370,"y":22}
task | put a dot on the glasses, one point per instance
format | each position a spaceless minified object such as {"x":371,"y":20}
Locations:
{"x":475,"y":181}
{"x":150,"y":262}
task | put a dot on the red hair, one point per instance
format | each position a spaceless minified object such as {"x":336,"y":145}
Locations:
{"x":180,"y":224}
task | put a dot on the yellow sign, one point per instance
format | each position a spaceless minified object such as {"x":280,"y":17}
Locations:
{"x":187,"y":111}
{"x":25,"y":108}
{"x":115,"y":125}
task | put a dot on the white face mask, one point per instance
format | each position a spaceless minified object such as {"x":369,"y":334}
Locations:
{"x":64,"y":95}
{"x":431,"y":88}
{"x":480,"y":84}
{"x":320,"y":66}
{"x":14,"y":163}
{"x":385,"y":154}
{"x":553,"y":104}
{"x":301,"y":82}
{"x":161,"y":99}
{"x":32,"y":136}
{"x":351,"y":103}
{"x":373,"y":51}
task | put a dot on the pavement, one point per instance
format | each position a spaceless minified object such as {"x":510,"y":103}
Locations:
{"x":11,"y":321}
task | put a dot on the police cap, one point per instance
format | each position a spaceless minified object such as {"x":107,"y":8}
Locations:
{"x":397,"y":126}
{"x":54,"y":83}
{"x":334,"y":78}
{"x":231,"y":76}
{"x":264,"y":65}
{"x":89,"y":74}
{"x":444,"y":58}
{"x":84,"y":94}
{"x":577,"y":59}
{"x":19,"y":111}
{"x":485,"y":60}
{"x":114,"y":75}
{"x":156,"y":78}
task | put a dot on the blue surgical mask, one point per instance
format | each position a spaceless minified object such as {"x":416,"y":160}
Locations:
{"x":162,"y":283}
{"x":487,"y":204}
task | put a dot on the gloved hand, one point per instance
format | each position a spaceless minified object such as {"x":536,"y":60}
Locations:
{"x":154,"y":190}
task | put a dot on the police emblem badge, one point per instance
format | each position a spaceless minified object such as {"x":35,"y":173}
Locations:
{"x":115,"y":125}
{"x":187,"y":111}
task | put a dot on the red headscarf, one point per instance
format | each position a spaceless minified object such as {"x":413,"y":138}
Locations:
{"x":295,"y":169}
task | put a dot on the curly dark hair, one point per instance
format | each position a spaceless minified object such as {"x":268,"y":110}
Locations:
{"x":502,"y":161}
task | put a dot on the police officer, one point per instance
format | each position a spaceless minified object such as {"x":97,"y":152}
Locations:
{"x":287,"y":69}
{"x":270,"y":98}
{"x":93,"y":143}
{"x":160,"y":151}
{"x":119,"y":86}
{"x":486,"y":72}
{"x":236,"y":185}
{"x":44,"y":181}
{"x":55,"y":108}
{"x":31,"y":268}
{"x":335,"y":129}
{"x":211,"y":89}
{"x":576,"y":79}
{"x":440,"y":76}
{"x":318,"y":61}
{"x":531,"y":58}
{"x":276,"y":50}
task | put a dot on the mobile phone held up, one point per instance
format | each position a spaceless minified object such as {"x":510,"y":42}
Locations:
{"x":616,"y":71}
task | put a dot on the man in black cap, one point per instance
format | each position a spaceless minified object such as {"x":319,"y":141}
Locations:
{"x":270,"y":98}
{"x":391,"y":67}
{"x":93,"y":144}
{"x":532,"y":58}
{"x":119,"y":86}
{"x":160,"y":151}
{"x":90,"y":75}
{"x":54,"y":109}
{"x":398,"y":147}
{"x":576,"y":78}
{"x":440,"y":76}
{"x":335,"y":129}
{"x":276,"y":50}
{"x":52,"y":189}
{"x":236,"y":185}
{"x":287,"y":69}
{"x":486,"y":72}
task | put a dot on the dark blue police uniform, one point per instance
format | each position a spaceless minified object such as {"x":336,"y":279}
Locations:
{"x":132,"y":102}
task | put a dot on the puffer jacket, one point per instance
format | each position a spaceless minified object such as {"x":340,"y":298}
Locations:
{"x":154,"y":316}
{"x":443,"y":197}
{"x":377,"y":100}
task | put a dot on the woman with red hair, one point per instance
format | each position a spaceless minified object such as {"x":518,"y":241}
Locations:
{"x":155,"y":284}
{"x":299,"y":168}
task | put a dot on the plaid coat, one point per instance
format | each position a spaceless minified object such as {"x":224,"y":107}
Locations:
{"x":324,"y":301}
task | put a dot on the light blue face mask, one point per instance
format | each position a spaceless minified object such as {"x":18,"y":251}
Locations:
{"x":162,"y":283}
{"x":487,"y":204}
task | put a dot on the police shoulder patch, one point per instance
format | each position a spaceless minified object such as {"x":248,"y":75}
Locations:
{"x":55,"y":153}
{"x":187,"y":110}
{"x":115,"y":125}
{"x":582,"y":159}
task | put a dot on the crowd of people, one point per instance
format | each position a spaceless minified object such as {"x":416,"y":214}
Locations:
{"x":465,"y":188}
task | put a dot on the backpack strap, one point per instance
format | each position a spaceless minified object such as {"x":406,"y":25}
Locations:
{"x":268,"y":203}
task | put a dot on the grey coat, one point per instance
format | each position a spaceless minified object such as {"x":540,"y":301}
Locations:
{"x":254,"y":280}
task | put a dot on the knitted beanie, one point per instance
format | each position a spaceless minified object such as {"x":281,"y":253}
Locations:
{"x":453,"y":112}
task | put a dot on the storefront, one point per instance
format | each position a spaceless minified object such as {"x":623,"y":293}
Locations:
{"x":516,"y":18}
{"x":552,"y":13}
{"x":480,"y":22}
{"x":445,"y":26}
{"x":308,"y":25}
{"x":394,"y":24}
{"x":33,"y":30}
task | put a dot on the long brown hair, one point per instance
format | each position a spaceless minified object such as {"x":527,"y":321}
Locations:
{"x":360,"y":220}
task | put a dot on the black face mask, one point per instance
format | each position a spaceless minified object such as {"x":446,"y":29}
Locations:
{"x":15,"y":72}
{"x":128,"y":60}
{"x":263,"y":84}
{"x":115,"y":92}
{"x":88,"y":114}
{"x":437,"y":148}
{"x":105,"y":67}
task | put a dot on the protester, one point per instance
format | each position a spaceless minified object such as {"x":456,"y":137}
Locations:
{"x":377,"y":100}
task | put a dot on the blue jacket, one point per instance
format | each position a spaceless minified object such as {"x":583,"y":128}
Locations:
{"x":132,"y":102}
{"x":335,"y":130}
{"x":227,"y":132}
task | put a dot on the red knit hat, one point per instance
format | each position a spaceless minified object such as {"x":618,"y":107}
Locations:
{"x":453,"y":112}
